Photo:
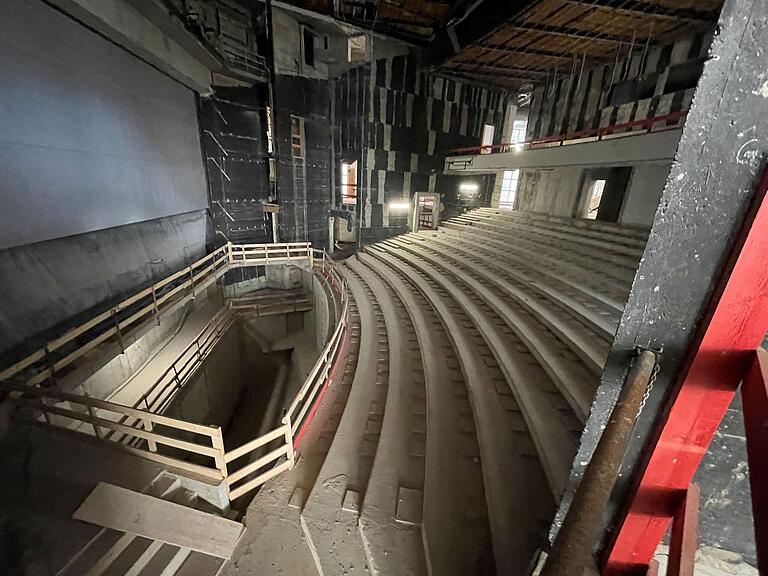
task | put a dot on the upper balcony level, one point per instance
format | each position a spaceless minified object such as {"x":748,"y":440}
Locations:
{"x":647,"y":140}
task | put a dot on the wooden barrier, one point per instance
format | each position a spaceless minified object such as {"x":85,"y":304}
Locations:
{"x":62,"y":410}
{"x":259,"y":464}
{"x":135,"y":429}
{"x":146,"y":306}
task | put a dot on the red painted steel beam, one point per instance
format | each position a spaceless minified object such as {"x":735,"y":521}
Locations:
{"x":754,"y":393}
{"x":736,"y":328}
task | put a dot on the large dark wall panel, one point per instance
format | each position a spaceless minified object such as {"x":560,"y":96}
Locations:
{"x":91,"y":137}
{"x":639,"y":84}
{"x":234,"y":136}
{"x":400,"y":122}
{"x":304,"y":214}
{"x":48,"y":287}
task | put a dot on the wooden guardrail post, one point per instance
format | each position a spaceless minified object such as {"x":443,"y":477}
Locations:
{"x":289,"y":440}
{"x":217,"y":441}
{"x":96,"y":429}
{"x":151,"y":444}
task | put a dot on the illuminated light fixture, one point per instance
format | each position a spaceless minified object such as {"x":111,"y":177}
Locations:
{"x":468,"y":187}
{"x":399,"y":205}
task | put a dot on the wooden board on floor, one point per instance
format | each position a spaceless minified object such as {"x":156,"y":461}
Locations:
{"x":157,"y":519}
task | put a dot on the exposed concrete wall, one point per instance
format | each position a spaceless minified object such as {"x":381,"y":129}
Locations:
{"x":552,"y":191}
{"x":50,"y":286}
{"x":561,"y":192}
{"x":211,"y":396}
{"x":644,"y":193}
{"x":289,"y":46}
{"x":122,"y":367}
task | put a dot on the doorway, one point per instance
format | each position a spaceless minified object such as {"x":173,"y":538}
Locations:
{"x":425,"y":212}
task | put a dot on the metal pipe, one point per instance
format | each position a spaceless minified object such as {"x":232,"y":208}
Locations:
{"x":572,"y":550}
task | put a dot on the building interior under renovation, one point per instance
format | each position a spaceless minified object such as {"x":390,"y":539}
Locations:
{"x":383,"y":287}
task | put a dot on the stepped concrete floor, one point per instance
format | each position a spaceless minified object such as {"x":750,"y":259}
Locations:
{"x":444,"y":448}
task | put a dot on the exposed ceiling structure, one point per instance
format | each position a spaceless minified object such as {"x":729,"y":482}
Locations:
{"x":414,"y":21}
{"x":516,"y":42}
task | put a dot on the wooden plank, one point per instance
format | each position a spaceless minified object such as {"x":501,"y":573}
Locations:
{"x":209,"y":474}
{"x":259,"y":480}
{"x":118,"y":408}
{"x":130,"y":431}
{"x":157,"y":519}
{"x":253,"y":444}
{"x":238,"y":475}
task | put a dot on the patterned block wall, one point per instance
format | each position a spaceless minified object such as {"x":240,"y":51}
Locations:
{"x":641,"y":83}
{"x":399,"y":123}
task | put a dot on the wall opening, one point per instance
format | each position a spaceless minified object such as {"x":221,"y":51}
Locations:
{"x":356,"y":48}
{"x":595,"y":195}
{"x":349,"y":183}
{"x":509,"y":188}
{"x":519,"y":128}
{"x":308,"y":47}
{"x":487,"y":139}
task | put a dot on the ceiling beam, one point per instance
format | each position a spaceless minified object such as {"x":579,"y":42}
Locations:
{"x":571,"y":33}
{"x":431,"y":20}
{"x":493,"y":80}
{"x":483,"y":18}
{"x":505,"y":51}
{"x":520,"y":72}
{"x":637,"y":8}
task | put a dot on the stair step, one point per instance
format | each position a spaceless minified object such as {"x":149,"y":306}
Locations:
{"x":91,"y":553}
{"x":199,"y":564}
{"x":159,"y":560}
{"x":127,"y":557}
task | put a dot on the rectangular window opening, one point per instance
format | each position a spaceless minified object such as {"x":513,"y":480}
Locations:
{"x":356,"y":48}
{"x":349,"y":183}
{"x":487,"y":139}
{"x":509,"y":189}
{"x":595,"y":196}
{"x":519,"y":127}
{"x":308,"y":42}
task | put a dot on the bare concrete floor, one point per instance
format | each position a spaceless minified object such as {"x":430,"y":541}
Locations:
{"x":45,"y":477}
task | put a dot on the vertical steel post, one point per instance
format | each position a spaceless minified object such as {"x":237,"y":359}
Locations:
{"x":573,"y":547}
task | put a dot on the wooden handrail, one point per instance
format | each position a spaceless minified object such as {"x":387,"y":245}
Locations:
{"x":199,"y":273}
{"x":138,"y":423}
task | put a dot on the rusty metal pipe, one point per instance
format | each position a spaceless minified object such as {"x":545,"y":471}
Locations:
{"x":572,"y":550}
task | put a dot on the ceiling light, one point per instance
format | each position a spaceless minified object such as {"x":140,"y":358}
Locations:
{"x":468,"y":187}
{"x":399,"y":205}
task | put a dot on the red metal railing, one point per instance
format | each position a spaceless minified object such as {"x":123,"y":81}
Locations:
{"x":634,"y":128}
{"x":724,"y":358}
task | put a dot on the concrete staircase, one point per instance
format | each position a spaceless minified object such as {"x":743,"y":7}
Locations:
{"x":446,"y":444}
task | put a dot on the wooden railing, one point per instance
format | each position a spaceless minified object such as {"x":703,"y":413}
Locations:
{"x":142,"y":428}
{"x":123,"y":320}
{"x":298,"y":414}
{"x":69,"y":411}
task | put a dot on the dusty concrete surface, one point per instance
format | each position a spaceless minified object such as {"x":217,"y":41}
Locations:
{"x":711,"y":561}
{"x":46,"y":476}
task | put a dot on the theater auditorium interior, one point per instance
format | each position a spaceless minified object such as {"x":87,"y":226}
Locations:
{"x":383,"y":287}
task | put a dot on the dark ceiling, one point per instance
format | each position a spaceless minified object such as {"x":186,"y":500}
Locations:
{"x":516,"y":42}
